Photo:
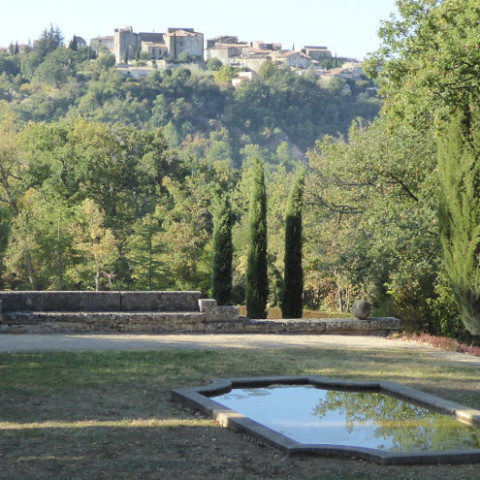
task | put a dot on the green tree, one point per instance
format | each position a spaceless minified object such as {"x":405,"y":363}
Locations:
{"x":256,"y":288}
{"x":49,"y":41}
{"x":292,"y":304}
{"x":57,"y":68}
{"x":214,"y":64}
{"x":428,"y":59}
{"x":5,"y":227}
{"x":144,"y":254}
{"x":459,"y":212}
{"x":224,"y":75}
{"x":371,"y":222}
{"x":185,"y":231}
{"x":40,"y":250}
{"x":97,"y":247}
{"x":222,"y":252}
{"x":73,"y":44}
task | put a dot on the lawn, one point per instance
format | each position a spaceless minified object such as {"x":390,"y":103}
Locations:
{"x":109,"y":415}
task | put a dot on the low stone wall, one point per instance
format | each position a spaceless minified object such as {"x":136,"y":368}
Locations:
{"x":335,"y":326}
{"x":117,"y":301}
{"x":156,"y":312}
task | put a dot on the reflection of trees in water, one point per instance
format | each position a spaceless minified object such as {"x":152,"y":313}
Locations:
{"x":241,"y":394}
{"x":407,"y":426}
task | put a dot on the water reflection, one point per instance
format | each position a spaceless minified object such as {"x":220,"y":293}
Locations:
{"x":312,"y":415}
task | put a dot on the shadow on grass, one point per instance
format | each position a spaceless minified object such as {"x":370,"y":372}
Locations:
{"x":180,"y":452}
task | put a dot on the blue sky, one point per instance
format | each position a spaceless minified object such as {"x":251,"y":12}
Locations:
{"x":347,"y":27}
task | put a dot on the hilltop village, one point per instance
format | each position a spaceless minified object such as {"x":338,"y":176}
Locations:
{"x":139,"y":54}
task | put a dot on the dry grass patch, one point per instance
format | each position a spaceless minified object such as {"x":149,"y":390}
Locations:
{"x":109,"y":415}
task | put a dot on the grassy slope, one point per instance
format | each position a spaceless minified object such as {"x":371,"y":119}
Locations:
{"x":109,"y":415}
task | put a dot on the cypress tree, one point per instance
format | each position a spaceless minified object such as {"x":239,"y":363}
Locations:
{"x":459,"y":211}
{"x":292,"y":302}
{"x":73,"y":45}
{"x":256,"y":289}
{"x":222,"y":252}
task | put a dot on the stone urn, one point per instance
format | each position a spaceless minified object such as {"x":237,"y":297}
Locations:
{"x":361,"y":309}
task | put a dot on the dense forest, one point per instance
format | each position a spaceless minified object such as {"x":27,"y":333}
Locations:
{"x":107,"y":182}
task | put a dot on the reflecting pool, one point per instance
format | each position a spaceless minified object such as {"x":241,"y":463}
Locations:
{"x":312,"y":415}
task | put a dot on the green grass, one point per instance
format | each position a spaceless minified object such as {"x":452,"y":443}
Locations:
{"x":109,"y":415}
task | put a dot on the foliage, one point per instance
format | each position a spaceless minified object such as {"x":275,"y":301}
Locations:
{"x":292,"y":303}
{"x":222,"y":252}
{"x":372,"y":208}
{"x":186,"y":232}
{"x":57,"y":68}
{"x":459,"y":212}
{"x":428,"y":61}
{"x":144,"y":250}
{"x":97,"y":246}
{"x":214,"y":64}
{"x":256,"y":277}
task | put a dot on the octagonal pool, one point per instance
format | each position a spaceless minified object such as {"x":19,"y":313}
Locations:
{"x":379,"y":421}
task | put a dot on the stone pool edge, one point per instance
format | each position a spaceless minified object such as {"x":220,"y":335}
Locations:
{"x":198,"y":399}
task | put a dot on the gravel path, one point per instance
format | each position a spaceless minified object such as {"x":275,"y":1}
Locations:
{"x":10,"y":343}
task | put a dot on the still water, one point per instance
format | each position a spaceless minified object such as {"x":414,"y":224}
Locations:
{"x":311,"y":415}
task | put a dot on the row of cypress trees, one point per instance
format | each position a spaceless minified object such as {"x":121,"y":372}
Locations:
{"x":256,"y":288}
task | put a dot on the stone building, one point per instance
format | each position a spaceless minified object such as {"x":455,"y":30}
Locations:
{"x":226,"y":52}
{"x":244,"y":77}
{"x":102,"y":43}
{"x":250,"y":55}
{"x":294,"y":59}
{"x":127,"y":45}
{"x":317,"y":53}
{"x":225,"y":48}
{"x":153,"y":44}
{"x":253,"y":59}
{"x":222,"y":39}
{"x":184,"y":40}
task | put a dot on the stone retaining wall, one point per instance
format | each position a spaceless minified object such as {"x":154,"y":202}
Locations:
{"x":156,"y":312}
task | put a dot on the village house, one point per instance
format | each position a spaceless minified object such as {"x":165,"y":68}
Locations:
{"x":251,"y":55}
{"x":102,"y":43}
{"x":225,"y":48}
{"x":317,"y":53}
{"x":222,"y":39}
{"x":295,"y":59}
{"x":253,"y":59}
{"x":244,"y":77}
{"x":184,"y":40}
{"x":127,"y":45}
{"x":348,"y":71}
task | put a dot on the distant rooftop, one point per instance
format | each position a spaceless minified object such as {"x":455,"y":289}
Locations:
{"x":181,"y":32}
{"x":152,"y":37}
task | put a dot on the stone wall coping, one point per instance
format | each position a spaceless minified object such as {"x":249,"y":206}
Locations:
{"x":104,"y":301}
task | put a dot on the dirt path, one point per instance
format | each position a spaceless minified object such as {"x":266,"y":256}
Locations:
{"x":10,"y":343}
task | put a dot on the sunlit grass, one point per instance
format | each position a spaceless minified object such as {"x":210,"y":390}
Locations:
{"x":126,"y":423}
